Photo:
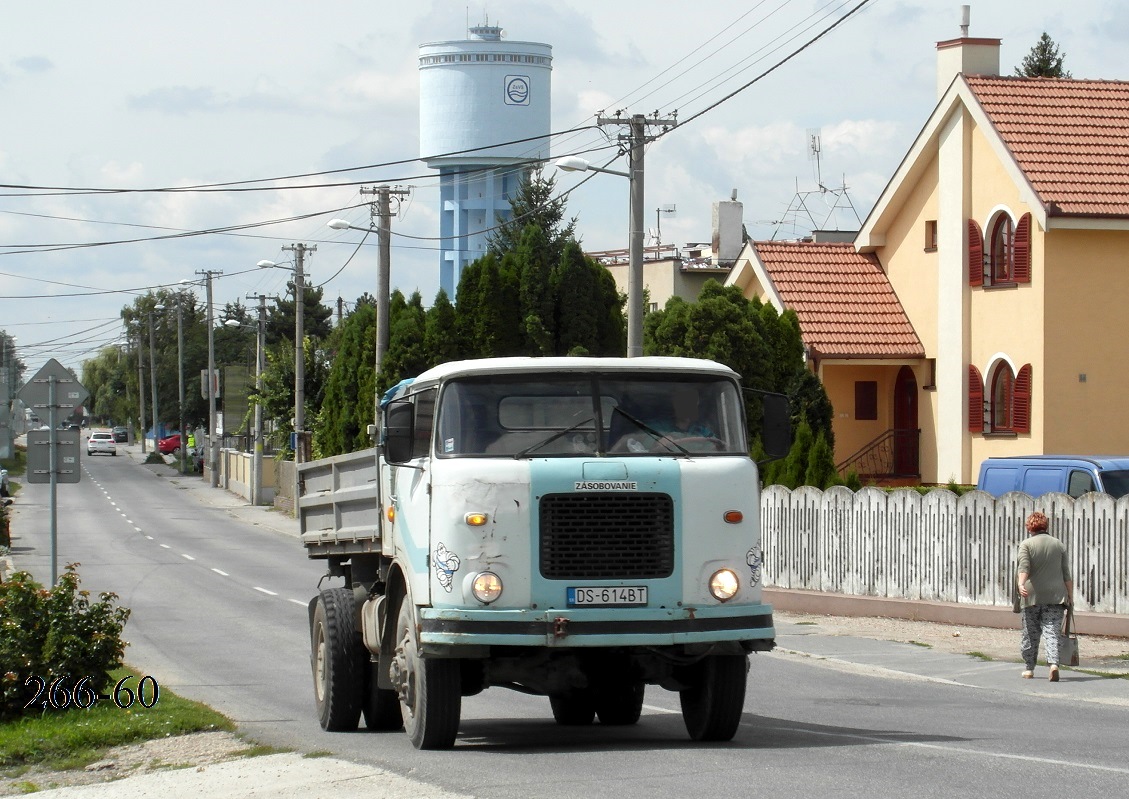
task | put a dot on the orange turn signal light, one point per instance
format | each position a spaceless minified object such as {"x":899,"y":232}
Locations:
{"x":733,"y":517}
{"x":475,"y":519}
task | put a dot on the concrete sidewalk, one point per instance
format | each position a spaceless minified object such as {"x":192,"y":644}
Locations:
{"x":202,"y":490}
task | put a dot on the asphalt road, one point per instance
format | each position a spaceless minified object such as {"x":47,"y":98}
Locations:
{"x":219,"y":615}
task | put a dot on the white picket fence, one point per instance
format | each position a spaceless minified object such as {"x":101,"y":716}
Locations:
{"x":939,"y":546}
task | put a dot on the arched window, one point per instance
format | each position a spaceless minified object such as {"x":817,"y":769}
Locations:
{"x":1003,"y":379}
{"x":1001,"y":256}
{"x":1000,"y":414}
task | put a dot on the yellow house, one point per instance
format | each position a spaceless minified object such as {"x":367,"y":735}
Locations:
{"x":1003,"y":241}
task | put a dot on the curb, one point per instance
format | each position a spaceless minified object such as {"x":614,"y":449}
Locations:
{"x":794,"y":600}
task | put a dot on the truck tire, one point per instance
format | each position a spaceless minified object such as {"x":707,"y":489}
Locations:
{"x":382,"y":706}
{"x":574,"y":708}
{"x":620,"y":703}
{"x":430,"y":689}
{"x":713,"y":704}
{"x":337,"y":659}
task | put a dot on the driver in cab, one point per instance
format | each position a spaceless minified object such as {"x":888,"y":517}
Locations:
{"x":680,"y":423}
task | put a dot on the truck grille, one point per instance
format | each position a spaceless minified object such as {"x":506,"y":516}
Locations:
{"x":613,"y":535}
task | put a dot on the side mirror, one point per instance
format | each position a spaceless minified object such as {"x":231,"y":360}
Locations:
{"x":776,"y":433}
{"x":399,"y":431}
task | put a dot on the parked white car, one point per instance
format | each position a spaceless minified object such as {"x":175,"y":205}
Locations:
{"x":101,"y":441}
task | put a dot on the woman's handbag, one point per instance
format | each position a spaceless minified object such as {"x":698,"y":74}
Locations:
{"x":1068,"y":641}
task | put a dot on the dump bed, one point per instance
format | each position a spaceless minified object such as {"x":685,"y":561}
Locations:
{"x":338,"y":507}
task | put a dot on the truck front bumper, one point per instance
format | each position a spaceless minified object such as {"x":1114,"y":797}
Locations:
{"x":590,"y":627}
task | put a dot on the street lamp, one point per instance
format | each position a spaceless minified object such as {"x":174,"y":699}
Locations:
{"x":299,"y":351}
{"x":153,"y":378}
{"x":572,"y":163}
{"x":383,"y":279}
{"x":257,"y":457}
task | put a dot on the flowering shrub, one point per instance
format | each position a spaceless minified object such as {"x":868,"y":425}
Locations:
{"x":55,"y":633}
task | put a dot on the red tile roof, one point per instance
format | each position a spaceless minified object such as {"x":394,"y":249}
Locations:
{"x":1070,"y":137}
{"x":844,"y":301}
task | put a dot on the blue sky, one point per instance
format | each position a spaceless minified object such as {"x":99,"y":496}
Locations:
{"x":135,"y":96}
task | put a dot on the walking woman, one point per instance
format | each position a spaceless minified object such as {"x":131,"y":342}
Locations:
{"x":1045,"y":589}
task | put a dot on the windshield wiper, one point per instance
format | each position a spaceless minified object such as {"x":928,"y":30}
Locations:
{"x":661,"y":438}
{"x":552,"y":438}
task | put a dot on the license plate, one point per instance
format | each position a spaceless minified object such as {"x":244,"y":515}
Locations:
{"x":608,"y":596}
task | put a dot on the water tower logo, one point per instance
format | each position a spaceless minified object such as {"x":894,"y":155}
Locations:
{"x":517,"y":90}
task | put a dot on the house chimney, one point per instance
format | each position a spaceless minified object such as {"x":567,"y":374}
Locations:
{"x":728,"y":230}
{"x":965,"y":56}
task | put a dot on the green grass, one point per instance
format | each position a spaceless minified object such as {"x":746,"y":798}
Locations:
{"x":978,"y":655}
{"x":64,"y":739}
{"x":16,"y":465}
{"x":922,"y":644}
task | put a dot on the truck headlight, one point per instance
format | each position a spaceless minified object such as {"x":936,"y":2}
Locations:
{"x":487,"y":587}
{"x":724,"y":585}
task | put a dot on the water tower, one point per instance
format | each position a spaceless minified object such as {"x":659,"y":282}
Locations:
{"x":475,"y":95}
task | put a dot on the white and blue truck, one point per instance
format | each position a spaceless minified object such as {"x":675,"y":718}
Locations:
{"x":575,"y":528}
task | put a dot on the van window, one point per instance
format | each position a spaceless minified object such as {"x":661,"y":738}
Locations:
{"x":1079,"y":483}
{"x":1115,"y":483}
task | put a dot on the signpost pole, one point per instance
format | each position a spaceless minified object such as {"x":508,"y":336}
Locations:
{"x":52,"y":385}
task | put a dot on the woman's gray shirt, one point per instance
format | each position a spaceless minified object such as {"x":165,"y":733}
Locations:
{"x":1043,"y":557}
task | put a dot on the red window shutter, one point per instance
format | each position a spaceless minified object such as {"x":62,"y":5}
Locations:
{"x":1021,"y":401}
{"x":975,"y":254}
{"x":975,"y":399}
{"x":1023,"y":249}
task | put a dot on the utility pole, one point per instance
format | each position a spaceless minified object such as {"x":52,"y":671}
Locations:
{"x":153,"y":379}
{"x":180,"y":377}
{"x":141,"y":388}
{"x":260,"y":351}
{"x":636,"y":140}
{"x":382,"y":217}
{"x":213,"y":445}
{"x":299,"y":251}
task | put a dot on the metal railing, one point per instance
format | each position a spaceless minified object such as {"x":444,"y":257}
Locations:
{"x":895,"y":453}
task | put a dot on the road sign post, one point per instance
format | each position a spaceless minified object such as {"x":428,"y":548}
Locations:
{"x":53,"y":454}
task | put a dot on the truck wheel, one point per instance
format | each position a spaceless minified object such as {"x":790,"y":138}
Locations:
{"x":382,"y":706}
{"x":430,"y":689}
{"x":574,"y":708}
{"x":619,"y":704}
{"x":712,"y":706}
{"x":337,"y":663}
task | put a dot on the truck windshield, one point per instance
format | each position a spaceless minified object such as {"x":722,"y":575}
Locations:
{"x":521,"y":416}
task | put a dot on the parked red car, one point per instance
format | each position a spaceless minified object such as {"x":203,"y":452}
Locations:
{"x":170,"y":445}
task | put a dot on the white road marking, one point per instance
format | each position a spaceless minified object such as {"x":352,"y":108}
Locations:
{"x":187,"y":557}
{"x":165,"y":546}
{"x":297,"y":602}
{"x":265,"y":591}
{"x":221,"y":574}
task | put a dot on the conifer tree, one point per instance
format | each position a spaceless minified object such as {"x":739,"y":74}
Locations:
{"x":1044,"y":60}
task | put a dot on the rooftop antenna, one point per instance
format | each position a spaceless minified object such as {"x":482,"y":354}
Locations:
{"x":801,"y":213}
{"x":669,"y":209}
{"x":814,"y":153}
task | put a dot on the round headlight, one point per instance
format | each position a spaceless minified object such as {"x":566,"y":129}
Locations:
{"x":487,"y":587}
{"x":724,"y":585}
